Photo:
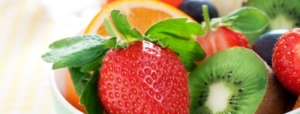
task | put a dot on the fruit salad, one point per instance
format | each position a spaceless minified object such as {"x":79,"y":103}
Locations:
{"x":184,"y":57}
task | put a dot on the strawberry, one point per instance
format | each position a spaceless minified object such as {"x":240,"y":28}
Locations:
{"x":138,"y":74}
{"x":143,"y":77}
{"x":221,"y":38}
{"x":286,"y":59}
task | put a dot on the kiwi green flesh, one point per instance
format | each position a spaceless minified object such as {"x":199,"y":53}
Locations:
{"x":283,"y":14}
{"x":231,"y":81}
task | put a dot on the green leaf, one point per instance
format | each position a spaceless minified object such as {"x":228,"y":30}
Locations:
{"x":252,"y":37}
{"x":178,"y":27}
{"x":179,"y":35}
{"x":76,"y":51}
{"x":90,"y":66}
{"x":246,"y":20}
{"x":123,"y":26}
{"x":110,"y":42}
{"x":189,"y":51}
{"x":79,"y":79}
{"x":89,"y":97}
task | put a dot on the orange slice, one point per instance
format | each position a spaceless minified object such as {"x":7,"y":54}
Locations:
{"x":70,"y":94}
{"x":141,"y":14}
{"x":297,"y":103}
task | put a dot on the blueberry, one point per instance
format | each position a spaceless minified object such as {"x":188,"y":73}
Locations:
{"x":194,"y":9}
{"x":264,"y":45}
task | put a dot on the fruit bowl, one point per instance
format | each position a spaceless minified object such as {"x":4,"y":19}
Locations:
{"x":57,"y":81}
{"x":62,"y":106}
{"x":60,"y":81}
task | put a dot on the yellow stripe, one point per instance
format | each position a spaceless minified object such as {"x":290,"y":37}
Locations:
{"x":11,"y":38}
{"x":4,"y":8}
{"x":32,"y":29}
{"x":29,"y":37}
{"x":36,"y":21}
{"x":13,"y":30}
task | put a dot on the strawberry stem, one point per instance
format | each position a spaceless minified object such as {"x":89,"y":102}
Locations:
{"x":109,"y":28}
{"x":206,"y":17}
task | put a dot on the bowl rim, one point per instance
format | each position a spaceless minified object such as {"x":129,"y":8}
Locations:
{"x":61,"y":99}
{"x":57,"y":93}
{"x":295,"y":111}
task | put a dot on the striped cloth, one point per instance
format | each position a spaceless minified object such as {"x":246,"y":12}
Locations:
{"x":25,"y":33}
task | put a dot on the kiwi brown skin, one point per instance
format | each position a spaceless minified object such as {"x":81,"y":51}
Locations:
{"x":274,"y":101}
{"x":277,"y":100}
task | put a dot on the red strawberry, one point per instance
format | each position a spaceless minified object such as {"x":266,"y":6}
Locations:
{"x":286,"y":59}
{"x":221,"y":38}
{"x":143,"y":78}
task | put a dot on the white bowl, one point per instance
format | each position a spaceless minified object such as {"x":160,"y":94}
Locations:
{"x":296,"y":111}
{"x":58,"y":80}
{"x":62,"y":106}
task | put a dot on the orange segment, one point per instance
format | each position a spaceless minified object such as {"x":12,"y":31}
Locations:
{"x":71,"y":95}
{"x":151,"y":16}
{"x":297,"y":104}
{"x":141,"y":14}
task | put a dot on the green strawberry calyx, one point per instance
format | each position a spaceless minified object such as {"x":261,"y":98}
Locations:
{"x":82,"y":55}
{"x":250,"y":21}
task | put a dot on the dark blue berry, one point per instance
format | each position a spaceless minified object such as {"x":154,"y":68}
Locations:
{"x":264,"y":45}
{"x":194,"y":9}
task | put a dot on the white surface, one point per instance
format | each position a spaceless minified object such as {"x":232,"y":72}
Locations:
{"x":57,"y":79}
{"x":74,"y":12}
{"x":296,"y":111}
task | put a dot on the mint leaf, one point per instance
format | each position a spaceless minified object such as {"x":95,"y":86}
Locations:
{"x":179,"y":28}
{"x":123,"y":26}
{"x":89,"y":97}
{"x":179,"y":35}
{"x":76,"y":51}
{"x":246,"y":20}
{"x":79,"y":79}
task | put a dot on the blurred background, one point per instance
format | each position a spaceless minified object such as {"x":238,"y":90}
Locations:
{"x":27,"y":27}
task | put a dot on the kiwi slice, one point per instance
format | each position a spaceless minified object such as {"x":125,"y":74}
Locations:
{"x":233,"y":81}
{"x":283,"y":14}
